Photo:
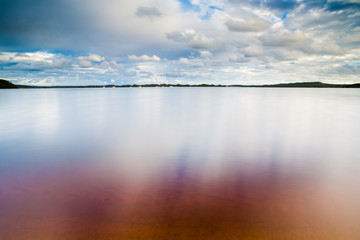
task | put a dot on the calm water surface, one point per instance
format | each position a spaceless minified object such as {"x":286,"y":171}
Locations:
{"x":180,"y":163}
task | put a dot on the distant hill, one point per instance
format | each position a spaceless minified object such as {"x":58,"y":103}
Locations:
{"x":6,"y":84}
{"x":313,"y":85}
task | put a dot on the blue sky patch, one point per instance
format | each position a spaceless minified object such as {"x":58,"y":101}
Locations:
{"x":187,"y":5}
{"x":211,"y":11}
{"x":216,"y":8}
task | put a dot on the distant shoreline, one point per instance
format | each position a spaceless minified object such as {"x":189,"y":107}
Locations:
{"x":4,"y":84}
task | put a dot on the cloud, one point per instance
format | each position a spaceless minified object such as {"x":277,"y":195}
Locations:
{"x":284,"y":38}
{"x":111,"y":65}
{"x":54,"y":64}
{"x":253,"y":51}
{"x":353,"y":38}
{"x":191,"y":62}
{"x":346,"y":69}
{"x":273,"y":4}
{"x":282,"y":4}
{"x":247,"y":25}
{"x":93,"y":58}
{"x":33,"y":61}
{"x":343,"y":4}
{"x":144,"y":58}
{"x":40,"y":66}
{"x":205,"y":54}
{"x":87,"y":61}
{"x":148,"y":12}
{"x":192,"y":39}
{"x":108,"y":27}
{"x":26,"y":56}
{"x":330,"y":47}
{"x":39,"y":24}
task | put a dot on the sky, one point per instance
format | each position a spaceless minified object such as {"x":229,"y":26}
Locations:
{"x":91,"y":42}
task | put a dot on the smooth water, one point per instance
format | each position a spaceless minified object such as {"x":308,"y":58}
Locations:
{"x":180,"y":163}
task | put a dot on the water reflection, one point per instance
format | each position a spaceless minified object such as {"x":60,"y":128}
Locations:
{"x":214,"y":163}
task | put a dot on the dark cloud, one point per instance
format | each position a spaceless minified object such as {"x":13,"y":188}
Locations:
{"x":148,"y":12}
{"x":30,"y":67}
{"x":275,"y":4}
{"x":79,"y":27}
{"x":247,"y":2}
{"x":346,"y":69}
{"x":345,"y":7}
{"x":282,"y":4}
{"x":172,"y":75}
{"x":313,"y":4}
{"x":250,"y":25}
{"x":342,"y":5}
{"x":40,"y":66}
{"x":284,"y":38}
{"x":39,"y":23}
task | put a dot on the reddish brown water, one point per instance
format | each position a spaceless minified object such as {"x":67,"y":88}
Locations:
{"x":240,"y":203}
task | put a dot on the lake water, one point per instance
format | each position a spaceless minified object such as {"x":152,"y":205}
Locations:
{"x":180,"y":163}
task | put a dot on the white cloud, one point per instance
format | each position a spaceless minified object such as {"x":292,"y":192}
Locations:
{"x":87,"y":61}
{"x":27,"y":57}
{"x":191,"y":62}
{"x":205,"y":54}
{"x":144,"y":58}
{"x":328,"y":47}
{"x":111,"y":65}
{"x":34,"y":61}
{"x":91,"y":58}
{"x":192,"y":39}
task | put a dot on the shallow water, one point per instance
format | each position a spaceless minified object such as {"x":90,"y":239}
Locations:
{"x":180,"y":163}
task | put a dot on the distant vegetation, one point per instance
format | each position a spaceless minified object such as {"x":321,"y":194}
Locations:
{"x":313,"y":85}
{"x":7,"y":84}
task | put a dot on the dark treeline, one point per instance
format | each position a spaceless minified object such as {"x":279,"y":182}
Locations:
{"x":8,"y":84}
